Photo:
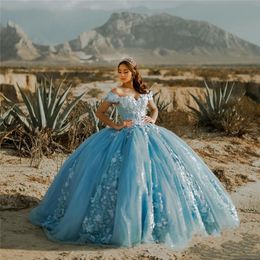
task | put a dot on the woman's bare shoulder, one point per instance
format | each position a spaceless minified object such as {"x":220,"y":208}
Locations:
{"x":117,"y":90}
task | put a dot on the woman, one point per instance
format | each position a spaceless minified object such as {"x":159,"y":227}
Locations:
{"x":133,"y":182}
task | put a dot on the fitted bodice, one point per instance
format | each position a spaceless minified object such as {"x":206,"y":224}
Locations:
{"x":129,"y":107}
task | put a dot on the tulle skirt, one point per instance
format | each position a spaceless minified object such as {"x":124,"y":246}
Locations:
{"x":142,"y":184}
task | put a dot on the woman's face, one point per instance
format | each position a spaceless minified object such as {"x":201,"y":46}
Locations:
{"x":124,"y":74}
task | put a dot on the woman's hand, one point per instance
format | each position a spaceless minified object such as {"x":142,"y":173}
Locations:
{"x":125,"y":123}
{"x":148,"y":119}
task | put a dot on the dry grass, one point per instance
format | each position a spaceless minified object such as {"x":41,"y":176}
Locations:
{"x":154,"y":71}
{"x":212,"y":73}
{"x":175,"y":72}
{"x":94,"y":92}
{"x":183,"y":122}
{"x":178,"y":121}
{"x":176,"y":82}
{"x":231,"y":182}
{"x":249,"y":108}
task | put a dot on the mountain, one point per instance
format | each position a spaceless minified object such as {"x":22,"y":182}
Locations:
{"x":238,"y":17}
{"x":163,"y":38}
{"x":15,"y":44}
{"x":130,"y":30}
{"x":152,"y":39}
{"x":69,"y":23}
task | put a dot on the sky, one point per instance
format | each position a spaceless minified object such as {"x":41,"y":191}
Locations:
{"x":67,"y":18}
{"x":105,"y":4}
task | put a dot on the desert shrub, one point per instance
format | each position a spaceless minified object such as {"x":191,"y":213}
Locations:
{"x":174,"y":72}
{"x":94,"y":92}
{"x":207,"y":73}
{"x":154,"y":71}
{"x":80,"y":130}
{"x":176,"y":82}
{"x":178,"y":121}
{"x":252,"y":90}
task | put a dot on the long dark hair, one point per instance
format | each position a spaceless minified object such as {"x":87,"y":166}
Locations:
{"x":138,"y":83}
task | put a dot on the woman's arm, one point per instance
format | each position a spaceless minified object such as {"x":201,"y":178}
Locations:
{"x":100,"y":113}
{"x":154,"y":112}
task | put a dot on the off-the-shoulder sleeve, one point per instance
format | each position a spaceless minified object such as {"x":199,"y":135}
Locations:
{"x":150,"y":95}
{"x":111,"y":97}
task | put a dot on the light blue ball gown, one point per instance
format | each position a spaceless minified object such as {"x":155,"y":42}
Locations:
{"x":142,"y":184}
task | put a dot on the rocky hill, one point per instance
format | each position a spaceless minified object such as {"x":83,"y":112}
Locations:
{"x":152,"y":39}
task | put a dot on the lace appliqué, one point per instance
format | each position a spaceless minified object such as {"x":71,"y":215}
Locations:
{"x":145,"y":127}
{"x":97,"y":226}
{"x":198,"y":203}
{"x":160,"y":227}
{"x":111,"y":97}
{"x":62,"y":201}
{"x":129,"y":107}
{"x":150,"y":95}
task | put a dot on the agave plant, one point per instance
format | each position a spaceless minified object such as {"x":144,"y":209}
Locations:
{"x":216,"y":103}
{"x":220,"y":111}
{"x":7,"y":120}
{"x":161,"y":105}
{"x":46,"y":108}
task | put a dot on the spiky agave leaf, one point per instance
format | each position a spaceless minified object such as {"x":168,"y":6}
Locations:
{"x":161,"y":105}
{"x":56,"y":110}
{"x":45,"y":107}
{"x":18,"y":114}
{"x":55,"y":98}
{"x":195,"y":111}
{"x":41,"y":109}
{"x":218,"y":102}
{"x":114,"y":114}
{"x":157,"y":93}
{"x":209,"y":98}
{"x":202,"y":107}
{"x":6,"y":119}
{"x":229,"y":93}
{"x":29,"y":106}
{"x":63,"y":117}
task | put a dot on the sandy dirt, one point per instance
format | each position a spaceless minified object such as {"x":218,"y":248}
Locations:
{"x":234,"y":160}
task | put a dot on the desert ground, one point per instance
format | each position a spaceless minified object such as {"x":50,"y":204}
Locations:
{"x":234,"y":160}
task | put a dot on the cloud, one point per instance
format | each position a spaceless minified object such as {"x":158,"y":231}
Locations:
{"x":90,"y":4}
{"x":54,"y":4}
{"x":98,"y":4}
